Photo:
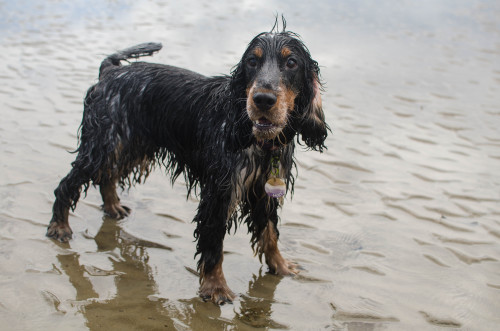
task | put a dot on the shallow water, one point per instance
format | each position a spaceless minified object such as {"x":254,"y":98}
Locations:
{"x":397,"y":225}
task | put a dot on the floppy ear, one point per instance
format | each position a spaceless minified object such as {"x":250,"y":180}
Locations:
{"x":313,"y":127}
{"x":238,"y":127}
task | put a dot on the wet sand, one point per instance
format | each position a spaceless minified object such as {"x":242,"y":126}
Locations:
{"x":397,"y":225}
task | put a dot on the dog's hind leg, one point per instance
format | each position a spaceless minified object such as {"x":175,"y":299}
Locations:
{"x":67,"y":195}
{"x":112,"y":206}
{"x":89,"y":165}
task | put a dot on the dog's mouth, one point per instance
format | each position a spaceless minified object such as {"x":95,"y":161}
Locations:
{"x":264,"y":129}
{"x":264,"y":124}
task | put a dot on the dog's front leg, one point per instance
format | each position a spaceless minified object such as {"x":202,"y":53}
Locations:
{"x":264,"y":216}
{"x":268,"y":245}
{"x":211,"y":227}
{"x":213,"y":284}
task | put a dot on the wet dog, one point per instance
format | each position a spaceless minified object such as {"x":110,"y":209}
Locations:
{"x":227,"y":135}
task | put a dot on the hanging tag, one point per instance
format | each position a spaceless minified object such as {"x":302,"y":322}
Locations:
{"x":275,"y":187}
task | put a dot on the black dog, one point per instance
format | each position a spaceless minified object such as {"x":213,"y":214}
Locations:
{"x":227,"y":135}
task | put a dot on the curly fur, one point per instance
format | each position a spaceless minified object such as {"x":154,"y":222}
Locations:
{"x":143,"y":115}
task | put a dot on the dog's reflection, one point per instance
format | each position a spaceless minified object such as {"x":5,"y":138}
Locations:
{"x":256,"y":305}
{"x":133,"y":305}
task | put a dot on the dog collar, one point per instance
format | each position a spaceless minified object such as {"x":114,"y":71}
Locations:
{"x":269,"y":145}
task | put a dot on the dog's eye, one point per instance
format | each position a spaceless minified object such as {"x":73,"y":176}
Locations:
{"x":291,"y":63}
{"x":252,"y":62}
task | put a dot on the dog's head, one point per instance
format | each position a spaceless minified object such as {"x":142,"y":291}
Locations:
{"x":280,"y":82}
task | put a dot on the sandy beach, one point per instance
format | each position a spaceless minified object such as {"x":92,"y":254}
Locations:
{"x":396,"y":226}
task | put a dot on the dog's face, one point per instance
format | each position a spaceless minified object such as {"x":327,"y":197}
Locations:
{"x":282,"y":88}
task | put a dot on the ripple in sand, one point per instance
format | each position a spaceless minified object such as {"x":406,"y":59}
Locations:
{"x":438,"y":321}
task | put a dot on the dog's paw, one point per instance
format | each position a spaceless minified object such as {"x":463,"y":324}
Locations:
{"x":215,"y":289}
{"x":59,"y":231}
{"x":116,"y":210}
{"x":283,"y":267}
{"x":219,"y":296}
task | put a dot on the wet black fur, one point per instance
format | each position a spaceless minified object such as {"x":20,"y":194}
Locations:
{"x":143,"y":115}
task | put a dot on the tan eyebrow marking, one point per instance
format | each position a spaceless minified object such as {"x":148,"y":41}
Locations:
{"x":285,"y":51}
{"x":258,"y":52}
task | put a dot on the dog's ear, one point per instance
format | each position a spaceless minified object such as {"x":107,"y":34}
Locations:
{"x":238,"y":81}
{"x":238,"y":127}
{"x":313,"y":127}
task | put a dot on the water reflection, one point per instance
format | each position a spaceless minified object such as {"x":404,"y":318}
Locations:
{"x":136,"y":291}
{"x":133,"y":278}
{"x":251,"y":310}
{"x":256,"y":306}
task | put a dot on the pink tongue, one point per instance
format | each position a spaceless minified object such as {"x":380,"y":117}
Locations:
{"x":264,"y":120}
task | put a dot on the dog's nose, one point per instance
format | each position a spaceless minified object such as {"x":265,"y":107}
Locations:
{"x":264,"y":101}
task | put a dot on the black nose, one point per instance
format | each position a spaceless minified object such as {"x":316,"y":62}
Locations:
{"x":264,"y":101}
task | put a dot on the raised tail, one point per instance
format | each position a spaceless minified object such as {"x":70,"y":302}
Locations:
{"x":134,"y":52}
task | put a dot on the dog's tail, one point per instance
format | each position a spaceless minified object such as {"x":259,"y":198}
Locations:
{"x":134,"y":52}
